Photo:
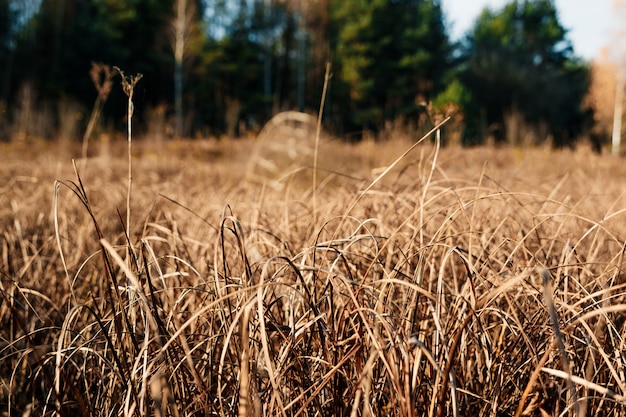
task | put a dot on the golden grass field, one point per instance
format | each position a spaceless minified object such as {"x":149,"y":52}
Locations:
{"x":484,"y":281}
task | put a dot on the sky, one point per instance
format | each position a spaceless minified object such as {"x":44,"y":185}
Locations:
{"x":590,"y":22}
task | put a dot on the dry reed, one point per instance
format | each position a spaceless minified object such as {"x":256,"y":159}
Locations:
{"x":417,"y":293}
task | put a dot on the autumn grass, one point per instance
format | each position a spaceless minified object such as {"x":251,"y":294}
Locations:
{"x":462,"y":282}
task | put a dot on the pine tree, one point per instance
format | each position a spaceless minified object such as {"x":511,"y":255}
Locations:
{"x":390,"y":57}
{"x":522,"y":70}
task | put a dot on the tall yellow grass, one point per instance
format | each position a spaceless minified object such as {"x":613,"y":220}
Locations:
{"x":464,"y":282}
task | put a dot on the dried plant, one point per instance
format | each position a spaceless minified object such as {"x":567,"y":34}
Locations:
{"x":128,"y":85}
{"x":461,"y":282}
{"x":102,"y":77}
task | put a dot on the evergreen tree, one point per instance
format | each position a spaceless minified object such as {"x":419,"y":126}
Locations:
{"x":520,"y":63}
{"x":252,"y":70}
{"x":230,"y":76}
{"x":57,"y":45}
{"x":7,"y":23}
{"x":186,"y":41}
{"x":389,"y":57}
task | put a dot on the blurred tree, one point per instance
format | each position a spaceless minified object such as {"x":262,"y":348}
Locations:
{"x":619,"y":57}
{"x":57,"y":45}
{"x":232,"y":63}
{"x":390,"y":57}
{"x":457,"y":102}
{"x":6,"y":57}
{"x":14,"y":14}
{"x":230,"y":75}
{"x":601,"y":98}
{"x":255,"y":63}
{"x":7,"y":20}
{"x":186,"y":41}
{"x":521,"y":69}
{"x":316,"y":17}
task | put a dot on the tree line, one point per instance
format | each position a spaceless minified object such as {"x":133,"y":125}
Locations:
{"x":224,"y":67}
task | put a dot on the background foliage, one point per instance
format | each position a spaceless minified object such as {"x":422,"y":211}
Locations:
{"x":515,"y":78}
{"x":519,"y":61}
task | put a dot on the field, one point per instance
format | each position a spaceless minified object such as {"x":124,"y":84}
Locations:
{"x":484,"y":281}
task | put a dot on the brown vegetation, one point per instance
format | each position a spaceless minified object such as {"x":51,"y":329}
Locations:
{"x":462,"y":282}
{"x":601,"y":94}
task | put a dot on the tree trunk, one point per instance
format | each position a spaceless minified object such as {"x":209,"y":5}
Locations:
{"x":179,"y":54}
{"x":617,"y":116}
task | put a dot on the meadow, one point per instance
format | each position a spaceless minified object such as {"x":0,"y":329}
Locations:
{"x":447,"y":281}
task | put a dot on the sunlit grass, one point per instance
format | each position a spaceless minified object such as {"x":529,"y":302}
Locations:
{"x":433,"y":291}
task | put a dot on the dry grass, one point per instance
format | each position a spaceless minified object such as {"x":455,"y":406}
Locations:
{"x":466,"y":282}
